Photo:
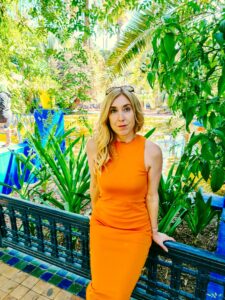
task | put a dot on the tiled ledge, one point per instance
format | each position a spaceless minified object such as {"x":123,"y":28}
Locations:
{"x":46,"y":281}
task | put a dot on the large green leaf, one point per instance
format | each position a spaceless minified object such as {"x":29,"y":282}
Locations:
{"x":169,"y":46}
{"x":205,"y":170}
{"x":221,"y":82}
{"x":217,"y":178}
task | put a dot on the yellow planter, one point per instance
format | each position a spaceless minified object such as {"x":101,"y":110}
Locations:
{"x":45,"y":99}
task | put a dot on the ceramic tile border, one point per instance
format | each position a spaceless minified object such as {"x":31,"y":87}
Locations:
{"x":61,"y":278}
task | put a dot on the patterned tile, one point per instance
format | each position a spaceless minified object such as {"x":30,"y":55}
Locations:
{"x":6,"y":257}
{"x":46,"y":276}
{"x":62,"y":279}
{"x":13,"y":261}
{"x":44,"y":266}
{"x":29,"y":268}
{"x":82,"y":293}
{"x":74,"y":288}
{"x":55,"y":279}
{"x":20,"y":265}
{"x":61,"y":272}
{"x":28,"y":258}
{"x":65,"y":284}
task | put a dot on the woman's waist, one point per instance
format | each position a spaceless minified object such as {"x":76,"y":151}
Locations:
{"x":128,"y":200}
{"x":121,"y":217}
{"x":134,"y":224}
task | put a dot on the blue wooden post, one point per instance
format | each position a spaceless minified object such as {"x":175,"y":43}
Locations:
{"x":8,"y":166}
{"x":215,"y":291}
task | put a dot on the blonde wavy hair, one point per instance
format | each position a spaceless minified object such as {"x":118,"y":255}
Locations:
{"x":104,"y":135}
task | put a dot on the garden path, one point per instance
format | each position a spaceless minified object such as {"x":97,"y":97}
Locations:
{"x":15,"y":284}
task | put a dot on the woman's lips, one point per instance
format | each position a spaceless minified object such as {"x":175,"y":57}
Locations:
{"x":122,"y":126}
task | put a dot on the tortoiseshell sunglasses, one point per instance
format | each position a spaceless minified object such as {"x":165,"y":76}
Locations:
{"x":129,"y":88}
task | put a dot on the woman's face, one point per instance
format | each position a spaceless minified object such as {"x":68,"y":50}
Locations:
{"x":121,"y":118}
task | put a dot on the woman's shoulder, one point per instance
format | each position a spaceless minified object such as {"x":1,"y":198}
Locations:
{"x":91,"y":146}
{"x":153,"y":149}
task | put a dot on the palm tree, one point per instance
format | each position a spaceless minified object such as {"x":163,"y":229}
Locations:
{"x":137,"y":35}
{"x":146,"y":24}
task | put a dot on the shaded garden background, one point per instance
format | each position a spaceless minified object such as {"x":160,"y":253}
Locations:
{"x":171,"y":50}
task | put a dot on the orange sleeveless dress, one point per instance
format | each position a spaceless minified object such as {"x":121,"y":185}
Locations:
{"x":120,"y":228}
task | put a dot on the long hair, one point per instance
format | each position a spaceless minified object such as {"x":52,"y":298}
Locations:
{"x":104,"y":135}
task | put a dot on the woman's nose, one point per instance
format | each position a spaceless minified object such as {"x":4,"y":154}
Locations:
{"x":121,"y":115}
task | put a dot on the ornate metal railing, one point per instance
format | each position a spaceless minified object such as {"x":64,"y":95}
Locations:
{"x":58,"y":237}
{"x":62,"y":239}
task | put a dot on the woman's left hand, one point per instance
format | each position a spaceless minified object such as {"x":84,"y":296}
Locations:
{"x":159,"y":238}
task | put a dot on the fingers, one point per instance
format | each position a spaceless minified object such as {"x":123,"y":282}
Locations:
{"x":160,"y":238}
{"x":169,"y":238}
{"x":164,"y":248}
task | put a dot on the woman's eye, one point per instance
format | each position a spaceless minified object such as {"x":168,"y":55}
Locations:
{"x":112,"y":111}
{"x":127,"y":109}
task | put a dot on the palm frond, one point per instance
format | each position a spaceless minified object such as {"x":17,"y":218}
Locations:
{"x":138,"y":33}
{"x":134,"y":39}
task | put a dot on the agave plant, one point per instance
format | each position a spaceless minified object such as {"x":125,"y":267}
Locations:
{"x":172,"y":204}
{"x":200,"y":213}
{"x":179,"y":200}
{"x":67,"y":172}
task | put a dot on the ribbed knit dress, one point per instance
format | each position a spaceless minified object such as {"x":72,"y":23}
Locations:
{"x":120,"y":228}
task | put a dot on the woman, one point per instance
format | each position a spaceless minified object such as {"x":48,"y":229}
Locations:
{"x":125,"y":172}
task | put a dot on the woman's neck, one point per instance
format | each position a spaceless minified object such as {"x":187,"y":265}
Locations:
{"x":126,"y":139}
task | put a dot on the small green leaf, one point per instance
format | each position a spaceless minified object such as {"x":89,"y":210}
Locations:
{"x":202,"y":110}
{"x":169,"y":45}
{"x":218,"y":178}
{"x":213,"y":120}
{"x":220,"y":134}
{"x":151,"y":79}
{"x":188,"y":114}
{"x":193,"y":140}
{"x":206,"y":152}
{"x":219,"y":38}
{"x":205,"y":170}
{"x":222,"y":109}
{"x":222,"y":26}
{"x":221,"y":84}
{"x":149,"y":133}
{"x":154,"y":44}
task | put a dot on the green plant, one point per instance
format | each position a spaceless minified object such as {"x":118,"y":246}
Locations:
{"x":184,"y":56}
{"x":200,"y":213}
{"x":69,"y":171}
{"x":171,"y":203}
{"x":63,"y":178}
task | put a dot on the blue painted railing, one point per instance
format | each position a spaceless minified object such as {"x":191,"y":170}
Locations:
{"x":216,"y":291}
{"x":62,"y":239}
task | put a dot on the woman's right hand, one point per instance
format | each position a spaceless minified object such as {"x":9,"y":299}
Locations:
{"x":159,"y":238}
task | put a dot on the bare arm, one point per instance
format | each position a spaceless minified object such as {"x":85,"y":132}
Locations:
{"x":154,"y":161}
{"x":94,"y":190}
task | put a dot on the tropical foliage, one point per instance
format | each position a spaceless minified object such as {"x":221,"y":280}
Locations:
{"x":180,"y":202}
{"x":46,"y":46}
{"x":185,"y":56}
{"x":52,"y":176}
{"x":43,"y":47}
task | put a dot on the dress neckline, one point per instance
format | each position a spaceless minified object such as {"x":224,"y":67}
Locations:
{"x":128,"y":143}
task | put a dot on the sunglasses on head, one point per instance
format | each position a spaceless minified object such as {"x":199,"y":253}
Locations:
{"x":129,"y":88}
